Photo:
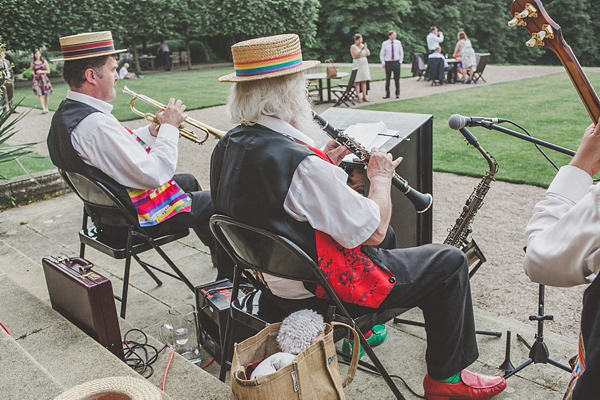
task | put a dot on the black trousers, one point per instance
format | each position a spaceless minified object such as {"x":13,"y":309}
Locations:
{"x":392,"y":66}
{"x":435,"y":278}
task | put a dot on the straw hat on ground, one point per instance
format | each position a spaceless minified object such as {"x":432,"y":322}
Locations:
{"x":267,"y":57}
{"x":114,"y":388}
{"x":87,"y":45}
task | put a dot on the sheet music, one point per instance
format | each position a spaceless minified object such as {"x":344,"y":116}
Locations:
{"x":369,"y":135}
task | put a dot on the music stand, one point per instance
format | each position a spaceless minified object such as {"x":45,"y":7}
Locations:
{"x":538,"y":352}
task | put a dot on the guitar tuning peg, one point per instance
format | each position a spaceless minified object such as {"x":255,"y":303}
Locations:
{"x":531,"y":42}
{"x":537,"y":39}
{"x":513,"y":22}
{"x":519,"y":19}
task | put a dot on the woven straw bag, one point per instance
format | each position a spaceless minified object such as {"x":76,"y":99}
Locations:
{"x":331,"y":68}
{"x":314,"y":373}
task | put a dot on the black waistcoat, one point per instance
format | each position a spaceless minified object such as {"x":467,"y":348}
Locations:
{"x":68,"y":115}
{"x":251,"y":171}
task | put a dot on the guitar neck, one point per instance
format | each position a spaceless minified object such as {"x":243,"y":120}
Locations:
{"x":580,"y":81}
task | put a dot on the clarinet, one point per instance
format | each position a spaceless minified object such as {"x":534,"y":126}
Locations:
{"x":421,"y":201}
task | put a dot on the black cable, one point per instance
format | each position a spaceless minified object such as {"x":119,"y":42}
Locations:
{"x":140,"y":355}
{"x":535,"y":144}
{"x":370,"y":368}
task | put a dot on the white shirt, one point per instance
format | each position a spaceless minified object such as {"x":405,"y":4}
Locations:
{"x":386,"y":51}
{"x":104,"y":143}
{"x":433,"y":41}
{"x":563,"y":236}
{"x":314,"y":180}
{"x":123,"y":73}
{"x":439,"y":55}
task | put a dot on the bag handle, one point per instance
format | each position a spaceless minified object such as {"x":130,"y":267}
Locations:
{"x":355,"y":353}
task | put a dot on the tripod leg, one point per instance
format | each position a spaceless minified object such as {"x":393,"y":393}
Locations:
{"x":520,"y":367}
{"x":559,"y":365}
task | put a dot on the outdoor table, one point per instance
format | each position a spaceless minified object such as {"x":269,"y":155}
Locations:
{"x":147,"y":62}
{"x":320,"y":76}
{"x":454,"y":63}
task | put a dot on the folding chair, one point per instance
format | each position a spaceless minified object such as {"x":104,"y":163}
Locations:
{"x":347,"y":93}
{"x":435,"y":71}
{"x":482,"y":59}
{"x":419,"y":67}
{"x":97,"y":198}
{"x":259,"y":250}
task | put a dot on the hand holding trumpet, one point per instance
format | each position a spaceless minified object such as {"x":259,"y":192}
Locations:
{"x":172,"y":115}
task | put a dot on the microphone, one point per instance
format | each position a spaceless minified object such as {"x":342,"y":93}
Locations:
{"x":457,"y":121}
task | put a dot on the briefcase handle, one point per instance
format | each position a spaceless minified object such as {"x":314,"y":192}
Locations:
{"x":84,"y":265}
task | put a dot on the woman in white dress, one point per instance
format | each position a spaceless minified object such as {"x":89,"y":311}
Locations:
{"x":467,"y":55}
{"x":360,"y":52}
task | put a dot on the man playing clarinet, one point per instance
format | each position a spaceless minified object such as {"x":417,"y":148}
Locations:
{"x":266,"y":172}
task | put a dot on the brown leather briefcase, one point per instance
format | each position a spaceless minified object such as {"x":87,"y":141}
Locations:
{"x":85,"y":298}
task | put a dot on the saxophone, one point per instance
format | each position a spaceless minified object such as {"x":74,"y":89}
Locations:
{"x":459,"y":233}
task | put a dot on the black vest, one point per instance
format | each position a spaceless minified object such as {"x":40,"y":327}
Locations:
{"x":68,"y":115}
{"x":251,"y":171}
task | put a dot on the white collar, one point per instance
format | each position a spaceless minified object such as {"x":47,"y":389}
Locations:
{"x":285,"y":129}
{"x":98,"y":104}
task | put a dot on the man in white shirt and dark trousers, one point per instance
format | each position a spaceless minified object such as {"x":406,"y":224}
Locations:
{"x":137,"y":166}
{"x":391,"y":56}
{"x":563,"y":249}
{"x":434,"y":39}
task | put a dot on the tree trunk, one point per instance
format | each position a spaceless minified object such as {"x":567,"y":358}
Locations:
{"x":138,"y":68}
{"x":189,"y":55}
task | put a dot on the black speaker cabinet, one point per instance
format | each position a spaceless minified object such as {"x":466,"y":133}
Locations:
{"x":414,"y":142}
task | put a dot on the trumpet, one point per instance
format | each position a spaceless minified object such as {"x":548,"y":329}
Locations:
{"x":186,"y":133}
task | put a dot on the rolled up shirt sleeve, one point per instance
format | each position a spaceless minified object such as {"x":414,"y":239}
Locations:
{"x":563,"y":236}
{"x":103,"y":143}
{"x":319,"y":195}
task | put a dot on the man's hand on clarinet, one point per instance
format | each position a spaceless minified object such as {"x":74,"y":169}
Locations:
{"x":172,"y":115}
{"x":381,"y":164}
{"x":336,"y":151}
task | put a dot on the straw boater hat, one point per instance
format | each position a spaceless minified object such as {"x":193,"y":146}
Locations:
{"x":116,"y":387}
{"x":87,"y":45}
{"x":267,"y":57}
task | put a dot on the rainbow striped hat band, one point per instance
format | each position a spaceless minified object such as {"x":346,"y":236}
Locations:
{"x":87,"y":45}
{"x":267,"y":57}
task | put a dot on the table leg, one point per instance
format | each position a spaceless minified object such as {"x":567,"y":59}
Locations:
{"x":328,"y":90}
{"x":320,"y":90}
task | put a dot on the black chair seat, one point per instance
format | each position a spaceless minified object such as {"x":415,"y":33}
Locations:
{"x":116,"y":246}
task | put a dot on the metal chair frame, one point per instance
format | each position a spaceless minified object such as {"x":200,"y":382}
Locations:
{"x":138,"y":240}
{"x":257,"y":249}
{"x":346,"y":93}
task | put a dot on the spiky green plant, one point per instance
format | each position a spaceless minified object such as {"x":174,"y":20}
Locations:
{"x":7,"y":130}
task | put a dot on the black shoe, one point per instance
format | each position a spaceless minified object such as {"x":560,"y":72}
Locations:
{"x":397,"y":96}
{"x":386,"y":97}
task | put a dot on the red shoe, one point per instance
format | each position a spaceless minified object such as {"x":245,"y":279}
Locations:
{"x":472,"y":386}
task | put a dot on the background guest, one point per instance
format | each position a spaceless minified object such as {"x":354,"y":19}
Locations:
{"x":41,"y":83}
{"x":434,"y":39}
{"x":437,"y":53}
{"x":360,"y":52}
{"x":7,"y":78}
{"x":467,"y":56}
{"x":391,"y":56}
{"x":124,"y":73}
{"x":164,"y":55}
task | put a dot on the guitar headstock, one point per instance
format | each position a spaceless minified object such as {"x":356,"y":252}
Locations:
{"x":532,"y":15}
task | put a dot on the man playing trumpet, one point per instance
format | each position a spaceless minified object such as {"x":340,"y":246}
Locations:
{"x":266,"y":172}
{"x":139,"y":166}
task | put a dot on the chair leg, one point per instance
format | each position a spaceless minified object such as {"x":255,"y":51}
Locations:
{"x":226,"y":352}
{"x":82,"y":250}
{"x":127,"y":272}
{"x":174,"y":267}
{"x":145,"y":266}
{"x":373,"y":357}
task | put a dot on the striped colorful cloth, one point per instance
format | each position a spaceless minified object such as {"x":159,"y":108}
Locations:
{"x":157,"y":205}
{"x":266,"y":66}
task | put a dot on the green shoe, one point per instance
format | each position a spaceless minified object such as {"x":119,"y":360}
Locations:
{"x":378,"y":335}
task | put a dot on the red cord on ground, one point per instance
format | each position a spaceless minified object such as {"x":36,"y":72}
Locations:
{"x":208,"y":363}
{"x":167,"y":369}
{"x":6,"y":329}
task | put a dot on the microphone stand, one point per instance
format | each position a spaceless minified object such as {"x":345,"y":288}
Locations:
{"x":491,"y":126}
{"x":538,"y":351}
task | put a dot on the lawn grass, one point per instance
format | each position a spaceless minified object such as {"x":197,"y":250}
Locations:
{"x":33,"y":163}
{"x":197,"y":89}
{"x":547,"y":106}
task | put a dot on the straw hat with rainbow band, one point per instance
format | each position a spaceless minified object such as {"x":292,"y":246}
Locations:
{"x":87,"y":45}
{"x":267,"y":57}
